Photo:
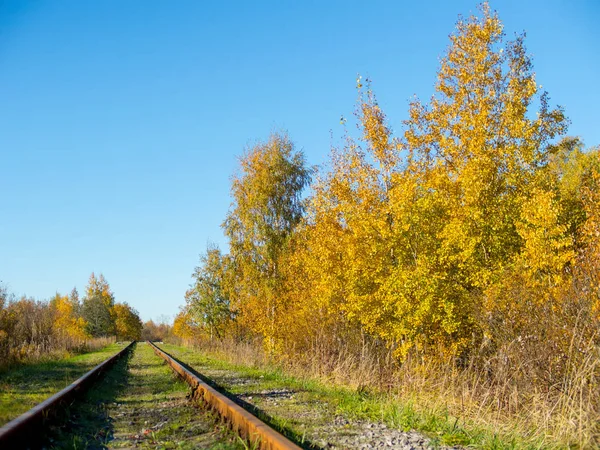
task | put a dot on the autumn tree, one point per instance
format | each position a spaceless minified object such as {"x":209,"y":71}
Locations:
{"x":462,"y":253}
{"x":588,"y":268}
{"x":128,"y":325}
{"x":68,"y":323}
{"x":28,"y":327}
{"x":31,"y":329}
{"x":98,"y":286}
{"x":185,"y":328}
{"x":474,"y":155}
{"x":267,"y":206}
{"x":156,"y":330}
{"x":569,"y":172}
{"x":342,"y":253}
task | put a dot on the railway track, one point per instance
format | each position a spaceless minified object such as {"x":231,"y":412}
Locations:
{"x":30,"y":429}
{"x":23,"y":431}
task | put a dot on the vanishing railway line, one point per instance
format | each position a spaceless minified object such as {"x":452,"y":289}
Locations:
{"x":146,"y":394}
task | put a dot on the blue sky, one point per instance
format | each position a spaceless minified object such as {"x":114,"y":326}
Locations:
{"x":121,"y":121}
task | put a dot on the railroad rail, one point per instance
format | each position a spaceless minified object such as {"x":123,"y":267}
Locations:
{"x":22,"y":430}
{"x":241,"y":421}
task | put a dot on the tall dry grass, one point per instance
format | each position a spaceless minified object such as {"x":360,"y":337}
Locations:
{"x":540,"y":380}
{"x":31,"y":353}
{"x":499,"y":393}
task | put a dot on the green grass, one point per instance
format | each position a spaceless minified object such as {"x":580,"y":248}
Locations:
{"x":140,"y":403}
{"x":25,"y":386}
{"x":441,"y":427}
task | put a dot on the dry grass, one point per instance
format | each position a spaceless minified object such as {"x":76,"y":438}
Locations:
{"x":563,"y":414}
{"x":499,"y":393}
{"x":51,"y":350}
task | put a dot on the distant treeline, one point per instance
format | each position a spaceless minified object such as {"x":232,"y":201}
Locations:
{"x":467,"y":244}
{"x":158,"y":331}
{"x":33,"y":329}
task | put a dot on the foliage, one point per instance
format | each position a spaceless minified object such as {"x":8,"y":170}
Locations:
{"x":68,"y":323}
{"x":26,"y":329}
{"x":31,"y":329}
{"x":474,"y":153}
{"x":185,"y":328}
{"x":266,"y":208}
{"x":128,"y":325}
{"x":156,"y":331}
{"x":468,"y":243}
{"x":207,"y":299}
{"x":97,"y":307}
{"x":97,"y":316}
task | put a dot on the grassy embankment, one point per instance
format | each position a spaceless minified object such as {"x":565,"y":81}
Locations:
{"x":141,"y":403}
{"x":25,"y":386}
{"x":252,"y":381}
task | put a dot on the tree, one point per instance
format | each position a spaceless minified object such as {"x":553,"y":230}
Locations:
{"x":74,"y":295}
{"x":69,"y":325}
{"x":184,"y":327}
{"x":156,"y":331}
{"x":569,"y":171}
{"x":98,"y":317}
{"x":5,"y":324}
{"x":267,"y":206}
{"x":207,"y":298}
{"x":76,"y":302}
{"x":128,"y":325}
{"x":97,"y":307}
{"x":589,"y":264}
{"x":474,"y":153}
{"x":409,"y":248}
{"x":100,"y":287}
{"x":344,"y":250}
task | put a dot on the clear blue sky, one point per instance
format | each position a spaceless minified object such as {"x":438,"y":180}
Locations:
{"x":121,"y":121}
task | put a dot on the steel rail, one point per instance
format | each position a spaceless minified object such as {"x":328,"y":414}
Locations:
{"x":22,"y":430}
{"x":241,"y":421}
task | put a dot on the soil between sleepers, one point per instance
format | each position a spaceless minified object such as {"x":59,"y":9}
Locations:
{"x":140,"y":403}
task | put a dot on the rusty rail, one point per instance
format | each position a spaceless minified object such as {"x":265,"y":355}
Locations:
{"x":22,"y":430}
{"x":241,"y":421}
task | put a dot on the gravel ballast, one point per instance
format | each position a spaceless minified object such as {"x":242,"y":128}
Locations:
{"x":309,"y":418}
